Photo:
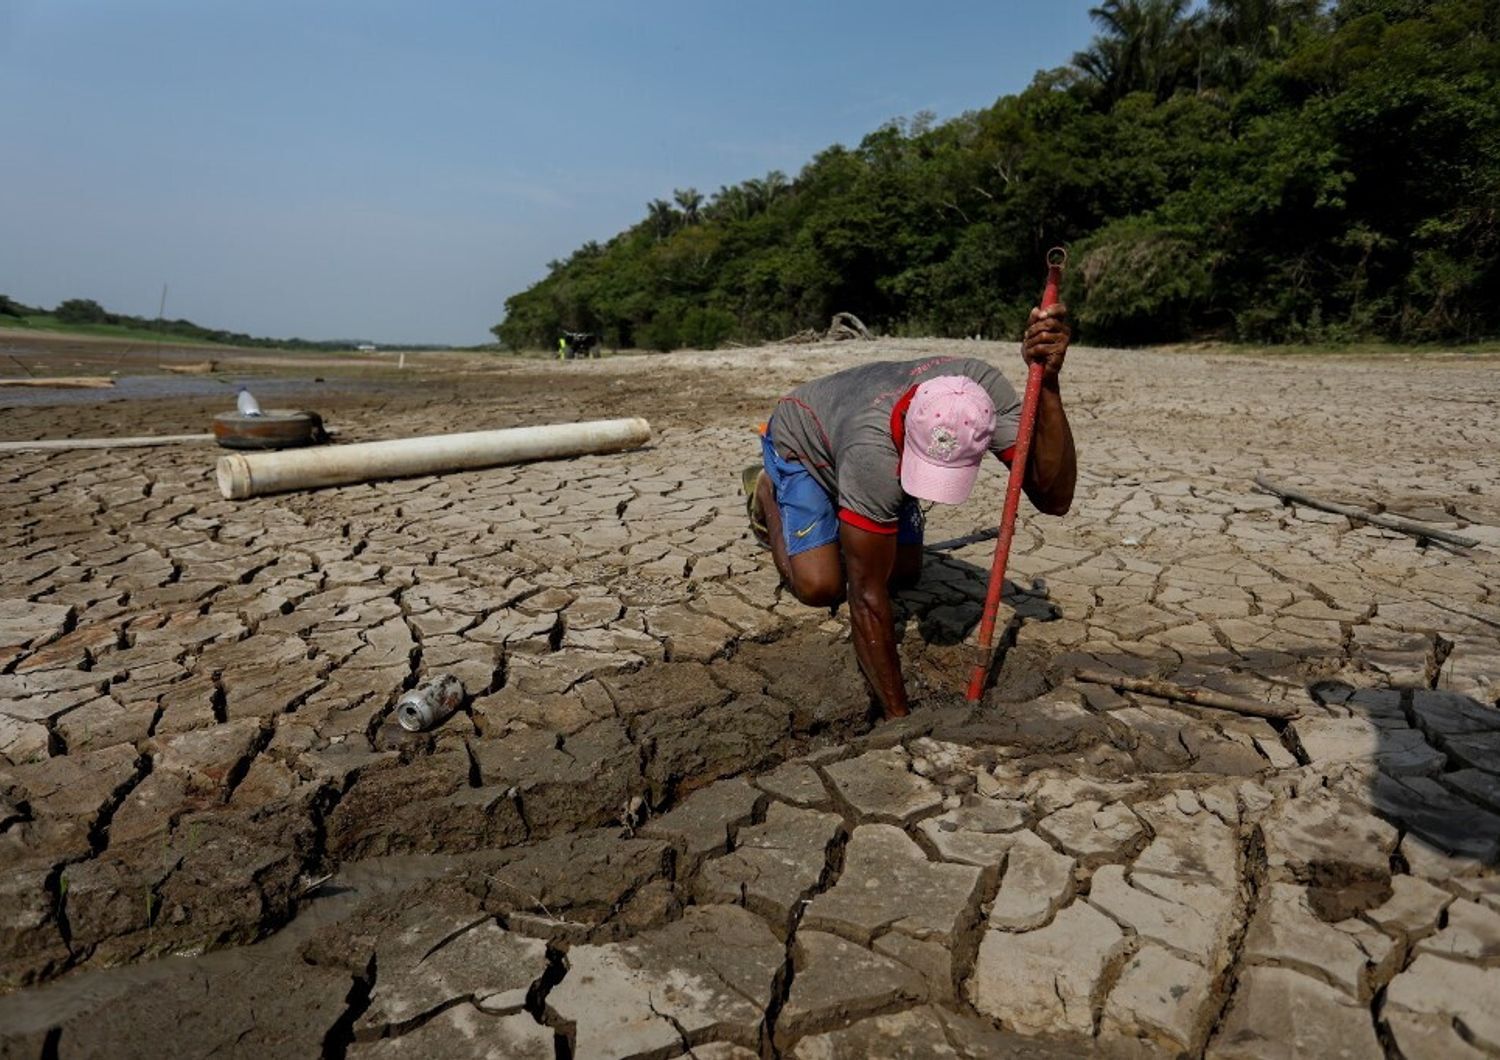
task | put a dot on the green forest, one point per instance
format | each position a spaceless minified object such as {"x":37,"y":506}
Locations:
{"x":1245,"y":170}
{"x":88,"y":317}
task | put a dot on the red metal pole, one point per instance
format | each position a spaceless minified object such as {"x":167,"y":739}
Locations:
{"x":1057,"y":257}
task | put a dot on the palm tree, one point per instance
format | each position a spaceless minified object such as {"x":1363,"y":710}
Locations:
{"x":761,"y":192}
{"x":757,"y":195}
{"x":662,"y":218}
{"x":1143,"y":46}
{"x":1104,"y":64}
{"x":690,"y":200}
{"x":730,"y":203}
{"x":1245,"y":33}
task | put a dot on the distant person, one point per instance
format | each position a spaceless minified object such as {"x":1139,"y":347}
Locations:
{"x":562,"y":349}
{"x":846,"y":459}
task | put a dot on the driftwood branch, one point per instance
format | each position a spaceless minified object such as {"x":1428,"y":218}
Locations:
{"x":1198,"y":697}
{"x":1289,"y":495}
{"x":973,"y":537}
{"x":843,"y":326}
{"x":847,"y":326}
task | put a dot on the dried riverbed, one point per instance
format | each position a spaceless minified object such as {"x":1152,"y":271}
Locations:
{"x":663,"y":825}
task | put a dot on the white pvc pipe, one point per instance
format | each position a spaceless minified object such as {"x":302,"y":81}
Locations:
{"x":103,"y":443}
{"x":244,"y":475}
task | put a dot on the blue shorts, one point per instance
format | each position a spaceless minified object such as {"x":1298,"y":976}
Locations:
{"x":809,"y":517}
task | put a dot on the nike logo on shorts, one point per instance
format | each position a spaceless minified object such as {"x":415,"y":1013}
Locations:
{"x":809,"y":528}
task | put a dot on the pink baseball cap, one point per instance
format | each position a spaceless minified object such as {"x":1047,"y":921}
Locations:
{"x":948,"y":429}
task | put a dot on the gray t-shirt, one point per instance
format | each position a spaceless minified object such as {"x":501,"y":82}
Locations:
{"x":839,"y":427}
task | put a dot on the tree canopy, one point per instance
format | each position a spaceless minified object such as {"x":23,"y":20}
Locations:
{"x":87,"y":314}
{"x":1270,"y":170}
{"x":9,"y":307}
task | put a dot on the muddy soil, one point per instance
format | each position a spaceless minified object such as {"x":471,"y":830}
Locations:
{"x":664,"y":804}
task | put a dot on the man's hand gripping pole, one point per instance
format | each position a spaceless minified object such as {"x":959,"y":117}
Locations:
{"x":1057,"y":257}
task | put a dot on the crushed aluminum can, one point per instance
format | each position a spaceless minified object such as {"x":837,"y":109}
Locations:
{"x":429,"y":704}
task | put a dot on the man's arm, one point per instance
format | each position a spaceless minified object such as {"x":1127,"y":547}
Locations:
{"x":1052,"y":470}
{"x":869,"y":559}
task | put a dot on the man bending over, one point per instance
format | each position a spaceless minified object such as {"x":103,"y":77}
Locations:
{"x":847,"y":457}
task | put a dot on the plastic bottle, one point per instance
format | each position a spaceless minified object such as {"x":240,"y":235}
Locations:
{"x":430,"y":704}
{"x":247,"y":404}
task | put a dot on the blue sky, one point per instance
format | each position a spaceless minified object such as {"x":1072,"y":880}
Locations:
{"x":395,"y":170}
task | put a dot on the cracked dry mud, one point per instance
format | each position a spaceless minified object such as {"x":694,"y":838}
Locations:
{"x":213,"y":838}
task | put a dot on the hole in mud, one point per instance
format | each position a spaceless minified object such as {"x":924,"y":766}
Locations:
{"x":1335,"y":893}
